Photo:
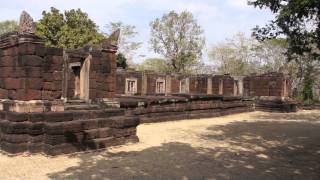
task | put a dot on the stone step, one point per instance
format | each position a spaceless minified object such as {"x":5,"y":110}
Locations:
{"x":81,"y":106}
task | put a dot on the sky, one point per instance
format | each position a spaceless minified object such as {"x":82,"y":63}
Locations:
{"x":220,"y":19}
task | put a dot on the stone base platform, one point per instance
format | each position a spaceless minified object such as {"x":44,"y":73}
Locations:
{"x":276,"y":104}
{"x":65,"y":132}
{"x":152,"y":109}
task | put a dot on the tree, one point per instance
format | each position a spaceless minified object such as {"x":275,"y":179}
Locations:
{"x":241,"y":56}
{"x":178,"y":38}
{"x":121,"y":61}
{"x":8,"y":26}
{"x":297,"y":20}
{"x":73,"y":29}
{"x":127,"y":32}
{"x":235,"y":56}
{"x":155,"y":64}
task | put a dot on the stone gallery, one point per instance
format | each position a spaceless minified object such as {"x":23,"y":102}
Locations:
{"x":57,"y":101}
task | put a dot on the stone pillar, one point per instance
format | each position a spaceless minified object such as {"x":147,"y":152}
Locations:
{"x":168,"y":85}
{"x":221,"y":87}
{"x":240,"y":86}
{"x":285,"y":88}
{"x":144,"y":84}
{"x":209,"y":85}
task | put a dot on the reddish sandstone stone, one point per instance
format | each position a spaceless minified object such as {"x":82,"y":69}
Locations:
{"x":57,"y":75}
{"x":8,"y":61}
{"x":33,"y":72}
{"x":13,"y":83}
{"x":57,"y":59}
{"x":11,"y":51}
{"x":3,"y":93}
{"x":27,"y":49}
{"x":30,"y":60}
{"x":34,"y":83}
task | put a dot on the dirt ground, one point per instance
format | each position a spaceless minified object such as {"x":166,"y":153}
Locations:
{"x":244,"y":146}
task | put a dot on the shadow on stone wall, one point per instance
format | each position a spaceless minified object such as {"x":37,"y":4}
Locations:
{"x":257,"y":150}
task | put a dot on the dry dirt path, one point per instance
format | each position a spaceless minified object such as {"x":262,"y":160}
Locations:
{"x":244,"y":146}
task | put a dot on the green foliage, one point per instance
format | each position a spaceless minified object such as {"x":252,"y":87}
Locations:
{"x":71,"y":30}
{"x":155,"y":64}
{"x":122,"y":61}
{"x":297,"y":20}
{"x":308,"y":84}
{"x":8,"y":26}
{"x":179,"y":39}
{"x":127,"y":32}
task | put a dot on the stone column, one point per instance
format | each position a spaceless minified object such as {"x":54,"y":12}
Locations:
{"x":144,"y":84}
{"x":209,"y":85}
{"x":168,"y":85}
{"x":221,"y":87}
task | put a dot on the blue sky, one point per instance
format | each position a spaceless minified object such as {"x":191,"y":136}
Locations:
{"x":220,"y":19}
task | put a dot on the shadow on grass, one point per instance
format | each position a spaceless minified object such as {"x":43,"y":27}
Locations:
{"x":257,"y":150}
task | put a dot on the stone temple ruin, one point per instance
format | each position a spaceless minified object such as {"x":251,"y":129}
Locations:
{"x":57,"y":101}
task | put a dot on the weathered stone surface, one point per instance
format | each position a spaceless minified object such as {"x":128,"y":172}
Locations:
{"x":26,"y":24}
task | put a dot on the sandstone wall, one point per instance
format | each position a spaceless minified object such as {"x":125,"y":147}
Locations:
{"x":121,"y":81}
{"x":65,"y":132}
{"x":271,"y":84}
{"x":30,"y":72}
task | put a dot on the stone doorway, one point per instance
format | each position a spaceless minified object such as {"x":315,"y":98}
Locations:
{"x":76,"y":72}
{"x":81,"y":73}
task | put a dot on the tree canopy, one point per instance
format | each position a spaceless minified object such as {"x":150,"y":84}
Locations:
{"x":71,"y":29}
{"x":297,"y":20}
{"x":178,"y":38}
{"x":8,"y":26}
{"x":121,"y":61}
{"x":155,"y":64}
{"x":241,"y":55}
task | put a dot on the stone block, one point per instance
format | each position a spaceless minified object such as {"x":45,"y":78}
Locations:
{"x":14,"y":83}
{"x":89,"y":124}
{"x":34,"y":83}
{"x":125,"y":122}
{"x":57,"y":60}
{"x":27,"y":49}
{"x":47,"y":95}
{"x":105,"y":132}
{"x":54,"y":51}
{"x":30,"y":60}
{"x":32,"y":94}
{"x":8,"y":61}
{"x":3,"y":93}
{"x":33,"y":72}
{"x":57,"y":75}
{"x":16,"y":117}
{"x":47,"y":77}
{"x":91,"y":134}
{"x":52,"y":117}
{"x":11,"y":51}
{"x":12,"y":148}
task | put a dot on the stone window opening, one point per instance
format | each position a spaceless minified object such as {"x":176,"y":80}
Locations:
{"x":184,"y":86}
{"x":160,"y":86}
{"x":131,"y":86}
